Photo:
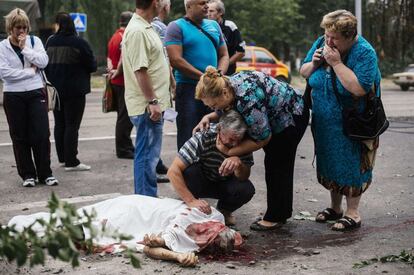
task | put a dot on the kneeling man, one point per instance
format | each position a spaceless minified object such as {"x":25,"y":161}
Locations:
{"x":201,"y":171}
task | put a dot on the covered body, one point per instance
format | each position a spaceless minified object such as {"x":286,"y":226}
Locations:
{"x":183,"y":229}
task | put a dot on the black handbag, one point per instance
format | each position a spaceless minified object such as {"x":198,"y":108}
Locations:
{"x":369,"y":124}
{"x":307,"y":95}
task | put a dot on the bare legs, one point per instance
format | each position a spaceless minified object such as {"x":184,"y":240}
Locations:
{"x":351,"y":210}
{"x":155,"y":248}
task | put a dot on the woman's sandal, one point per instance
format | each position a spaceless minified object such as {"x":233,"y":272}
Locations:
{"x":256,"y":226}
{"x":348,"y":224}
{"x":328,"y":214}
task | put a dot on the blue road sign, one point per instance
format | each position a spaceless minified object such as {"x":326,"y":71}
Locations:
{"x":80,"y":21}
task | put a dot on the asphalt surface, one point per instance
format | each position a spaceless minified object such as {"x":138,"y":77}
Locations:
{"x":300,"y":247}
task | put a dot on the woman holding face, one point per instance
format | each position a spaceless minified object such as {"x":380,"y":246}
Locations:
{"x":21,"y":58}
{"x":344,"y":166}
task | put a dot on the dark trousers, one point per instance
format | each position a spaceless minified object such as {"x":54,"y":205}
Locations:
{"x":123,"y":128}
{"x":28,"y":121}
{"x":279,"y":163}
{"x":190,"y":112}
{"x":67,"y":124}
{"x":231,"y":194}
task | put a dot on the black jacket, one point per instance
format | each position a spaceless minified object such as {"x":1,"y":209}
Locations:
{"x":71,"y":62}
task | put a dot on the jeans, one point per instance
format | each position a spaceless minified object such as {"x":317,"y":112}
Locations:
{"x":231,"y":194}
{"x":26,"y":114}
{"x":123,"y":128}
{"x":190,"y":112}
{"x":279,"y":163}
{"x":147,"y":153}
{"x":67,"y":124}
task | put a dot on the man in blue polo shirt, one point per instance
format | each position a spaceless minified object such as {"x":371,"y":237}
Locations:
{"x":193,"y":43}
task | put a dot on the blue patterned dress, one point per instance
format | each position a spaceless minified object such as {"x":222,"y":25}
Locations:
{"x":267,"y":105}
{"x":341,"y":162}
{"x":273,"y":108}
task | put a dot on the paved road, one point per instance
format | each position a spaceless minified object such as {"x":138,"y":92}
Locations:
{"x":387,"y":207}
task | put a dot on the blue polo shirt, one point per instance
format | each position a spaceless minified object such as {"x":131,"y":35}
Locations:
{"x":198,"y":49}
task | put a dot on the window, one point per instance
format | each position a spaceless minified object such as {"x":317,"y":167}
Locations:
{"x":263,"y":57}
{"x":247,"y":56}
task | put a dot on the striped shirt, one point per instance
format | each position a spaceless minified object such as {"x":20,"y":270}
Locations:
{"x":201,"y":148}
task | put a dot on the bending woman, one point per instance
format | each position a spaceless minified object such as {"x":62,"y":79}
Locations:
{"x":344,"y":167}
{"x":276,"y":119}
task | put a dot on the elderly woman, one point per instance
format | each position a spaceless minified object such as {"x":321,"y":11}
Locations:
{"x":343,"y":166}
{"x":22,"y":56}
{"x":276,"y":119}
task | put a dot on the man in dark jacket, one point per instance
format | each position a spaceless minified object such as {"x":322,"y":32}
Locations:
{"x":71,"y":62}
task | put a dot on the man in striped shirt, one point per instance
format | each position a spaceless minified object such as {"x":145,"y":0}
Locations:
{"x":201,"y":171}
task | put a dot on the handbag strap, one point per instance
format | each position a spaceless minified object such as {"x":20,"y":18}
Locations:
{"x":42,"y":71}
{"x":203,"y":31}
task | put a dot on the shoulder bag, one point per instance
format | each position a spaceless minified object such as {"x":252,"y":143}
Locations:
{"x":369,"y":124}
{"x":216,"y":46}
{"x":52,"y":96}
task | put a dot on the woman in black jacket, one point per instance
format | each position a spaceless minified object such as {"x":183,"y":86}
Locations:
{"x":71,"y":62}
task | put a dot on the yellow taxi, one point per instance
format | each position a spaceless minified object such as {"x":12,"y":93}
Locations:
{"x":260,"y":59}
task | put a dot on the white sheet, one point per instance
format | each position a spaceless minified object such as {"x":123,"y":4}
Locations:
{"x":138,"y":215}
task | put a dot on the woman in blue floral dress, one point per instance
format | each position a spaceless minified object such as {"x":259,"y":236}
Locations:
{"x":276,"y":118}
{"x":343,"y":166}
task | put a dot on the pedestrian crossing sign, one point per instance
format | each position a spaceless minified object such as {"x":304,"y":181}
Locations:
{"x":80,"y":21}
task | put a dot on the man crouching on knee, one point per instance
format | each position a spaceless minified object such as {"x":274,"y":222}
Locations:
{"x":201,"y":171}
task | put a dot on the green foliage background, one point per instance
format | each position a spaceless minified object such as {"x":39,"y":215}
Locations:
{"x":286,"y":27}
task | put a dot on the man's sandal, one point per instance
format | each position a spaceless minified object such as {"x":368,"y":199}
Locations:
{"x":328,"y":214}
{"x":348,"y":224}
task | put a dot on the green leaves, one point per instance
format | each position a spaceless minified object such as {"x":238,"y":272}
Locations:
{"x":404,"y":257}
{"x":134,"y":260}
{"x":61,"y":236}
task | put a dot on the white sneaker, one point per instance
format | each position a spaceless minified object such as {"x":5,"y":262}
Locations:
{"x":79,"y":167}
{"x":51,"y":181}
{"x":30,"y":182}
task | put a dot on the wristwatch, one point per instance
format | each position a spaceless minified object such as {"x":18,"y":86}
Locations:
{"x":153,"y":101}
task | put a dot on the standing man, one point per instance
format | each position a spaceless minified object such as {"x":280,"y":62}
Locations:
{"x":159,"y":26}
{"x":235,"y":44}
{"x":123,"y":143}
{"x":193,"y":43}
{"x":158,"y":21}
{"x":147,"y":82}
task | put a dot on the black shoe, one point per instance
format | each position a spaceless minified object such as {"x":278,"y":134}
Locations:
{"x":129,"y":155}
{"x":161,"y":169}
{"x":162,"y":178}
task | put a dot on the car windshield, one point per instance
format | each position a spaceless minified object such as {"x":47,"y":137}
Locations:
{"x":247,"y":56}
{"x":262,"y":57}
{"x":410,"y":69}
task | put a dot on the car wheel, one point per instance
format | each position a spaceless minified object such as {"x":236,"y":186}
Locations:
{"x":282,"y":78}
{"x":405,"y":87}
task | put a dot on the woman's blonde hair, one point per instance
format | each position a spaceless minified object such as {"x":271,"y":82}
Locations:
{"x":211,"y":84}
{"x":16,"y":17}
{"x":340,"y":21}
